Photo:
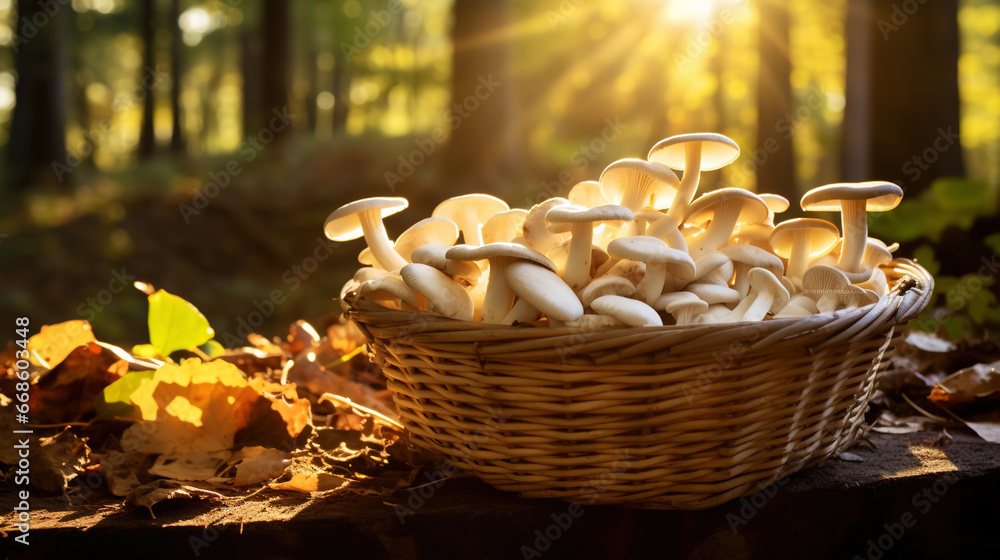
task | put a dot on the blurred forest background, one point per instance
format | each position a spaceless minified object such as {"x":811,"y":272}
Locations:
{"x":199,"y":145}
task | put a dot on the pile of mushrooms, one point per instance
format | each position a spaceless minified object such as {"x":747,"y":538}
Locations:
{"x":636,"y":248}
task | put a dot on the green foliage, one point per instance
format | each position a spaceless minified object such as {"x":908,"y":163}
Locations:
{"x":175,"y":324}
{"x":114,"y":400}
{"x":951,"y":201}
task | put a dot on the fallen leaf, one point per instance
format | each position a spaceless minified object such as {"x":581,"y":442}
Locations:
{"x":301,"y":336}
{"x":189,"y":408}
{"x":986,"y":426}
{"x":123,"y":470}
{"x":850,"y":457}
{"x":67,"y":392}
{"x":190,"y":467}
{"x":303,"y":476}
{"x":968,"y":385}
{"x":54,"y":342}
{"x":929,"y":342}
{"x":257,"y":464}
{"x":161,"y":490}
{"x":58,"y":460}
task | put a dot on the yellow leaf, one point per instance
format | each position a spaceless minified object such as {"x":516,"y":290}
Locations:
{"x":54,"y":342}
{"x":190,"y":408}
{"x":257,"y":464}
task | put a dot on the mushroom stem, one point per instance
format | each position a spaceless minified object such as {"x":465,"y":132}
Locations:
{"x":719,"y":229}
{"x":522,"y":312}
{"x":741,"y":308}
{"x":651,"y":286}
{"x":855,"y":225}
{"x":378,"y":241}
{"x":577,"y":272}
{"x":666,"y":228}
{"x":798,"y":260}
{"x":760,"y":306}
{"x":742,"y":282}
{"x":828,"y":302}
{"x":689,"y":181}
{"x":498,"y":298}
{"x":472,"y":230}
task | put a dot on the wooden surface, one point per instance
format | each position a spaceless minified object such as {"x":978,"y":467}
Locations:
{"x":827,"y":512}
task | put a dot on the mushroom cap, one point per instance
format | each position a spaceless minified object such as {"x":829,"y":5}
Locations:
{"x":606,"y":286}
{"x":752,"y":210}
{"x":392,"y":285}
{"x":716,"y":150}
{"x":755,"y":234}
{"x":880,"y":196}
{"x":366,"y":273}
{"x":482,"y":207}
{"x":709,"y":262}
{"x":762,"y":280}
{"x":535,"y":230}
{"x":753,"y":256}
{"x":858,"y":296}
{"x":587,"y":193}
{"x":544,"y":290}
{"x":429,"y":231}
{"x":775,"y":202}
{"x":466,"y":272}
{"x":495,"y":251}
{"x":504,"y":226}
{"x":632,"y":312}
{"x":444,"y":296}
{"x":713,"y":293}
{"x":820,"y":236}
{"x":819,"y":280}
{"x":656,"y":182}
{"x":876,"y":253}
{"x":572,"y":214}
{"x":672,"y":302}
{"x":653,"y":250}
{"x":649,"y":215}
{"x":343,"y":224}
{"x":366,"y":257}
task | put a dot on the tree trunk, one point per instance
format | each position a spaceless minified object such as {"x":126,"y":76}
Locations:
{"x":177,"y":143}
{"x":482,"y":151}
{"x":275,"y":65}
{"x":341,"y":94}
{"x":251,"y":82}
{"x":901,"y":121}
{"x":38,"y":127}
{"x":147,"y":25}
{"x":774,"y":156}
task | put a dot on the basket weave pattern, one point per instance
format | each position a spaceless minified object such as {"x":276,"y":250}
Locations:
{"x":660,"y":417}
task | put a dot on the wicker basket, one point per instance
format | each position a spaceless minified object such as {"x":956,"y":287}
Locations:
{"x":659,"y":417}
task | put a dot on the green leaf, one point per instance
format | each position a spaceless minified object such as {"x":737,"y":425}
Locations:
{"x":958,"y":197}
{"x":906,"y":222}
{"x":213,"y":349}
{"x":175,"y":324}
{"x":993,"y":242}
{"x":145,"y":351}
{"x":115,"y":401}
{"x":925,"y":256}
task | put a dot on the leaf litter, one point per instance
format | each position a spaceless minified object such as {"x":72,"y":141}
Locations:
{"x":304,"y":414}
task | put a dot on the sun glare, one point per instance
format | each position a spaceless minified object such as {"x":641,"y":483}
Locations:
{"x":687,"y":11}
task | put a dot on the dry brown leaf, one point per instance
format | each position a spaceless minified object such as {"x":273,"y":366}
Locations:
{"x":986,"y":426}
{"x":257,"y":464}
{"x":301,"y":335}
{"x":123,"y":470}
{"x":58,"y":460}
{"x":968,"y":385}
{"x":161,"y":490}
{"x":54,"y":342}
{"x":304,"y":476}
{"x":189,"y":408}
{"x":190,"y":467}
{"x":66,"y":393}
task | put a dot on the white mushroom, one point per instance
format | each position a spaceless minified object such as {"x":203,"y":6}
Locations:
{"x":444,"y":296}
{"x":607,"y":286}
{"x":692,"y":153}
{"x":499,"y":297}
{"x":659,"y":260}
{"x":504,"y":227}
{"x":725,"y":208}
{"x":802,"y":240}
{"x":580,"y":222}
{"x":632,"y":312}
{"x":364,"y":218}
{"x":466,"y":273}
{"x":542,"y":290}
{"x":470,"y":212}
{"x":683,"y":306}
{"x":767,"y":295}
{"x":429,"y":231}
